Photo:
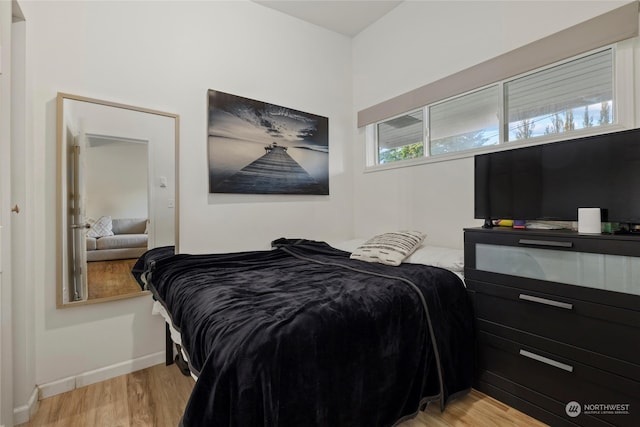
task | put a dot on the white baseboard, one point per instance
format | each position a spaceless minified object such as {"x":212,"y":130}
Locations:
{"x":97,"y":375}
{"x":23,"y":413}
{"x":56,"y":387}
{"x":118,"y":369}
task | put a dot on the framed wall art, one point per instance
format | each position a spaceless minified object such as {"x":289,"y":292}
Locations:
{"x":259,"y":148}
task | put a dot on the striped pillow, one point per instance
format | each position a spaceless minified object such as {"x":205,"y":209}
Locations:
{"x":389,"y":248}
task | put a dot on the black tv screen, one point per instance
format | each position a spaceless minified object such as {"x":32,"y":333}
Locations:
{"x":551,"y":181}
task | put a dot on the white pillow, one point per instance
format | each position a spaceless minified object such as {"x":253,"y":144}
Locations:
{"x":449,"y":258}
{"x":102,"y":227}
{"x":389,"y":248}
{"x":438,"y":256}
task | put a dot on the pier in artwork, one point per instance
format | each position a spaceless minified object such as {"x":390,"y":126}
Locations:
{"x":276,"y":172}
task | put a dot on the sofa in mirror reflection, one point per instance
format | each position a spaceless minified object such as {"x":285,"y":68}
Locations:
{"x":126,"y":238}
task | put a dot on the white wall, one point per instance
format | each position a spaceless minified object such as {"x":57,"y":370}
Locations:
{"x":418,"y":43}
{"x":117,"y":180}
{"x":165,"y":56}
{"x":6,"y":324}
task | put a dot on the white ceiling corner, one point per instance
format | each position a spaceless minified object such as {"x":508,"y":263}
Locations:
{"x":345,"y":17}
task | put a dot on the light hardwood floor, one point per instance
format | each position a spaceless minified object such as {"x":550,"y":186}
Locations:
{"x":153,"y":397}
{"x":156,"y":397}
{"x":110,"y":278}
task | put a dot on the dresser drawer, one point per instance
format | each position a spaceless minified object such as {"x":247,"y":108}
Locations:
{"x":560,"y":380}
{"x":605,"y":330}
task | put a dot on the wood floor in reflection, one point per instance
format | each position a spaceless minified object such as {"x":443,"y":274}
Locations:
{"x":157,"y":396}
{"x":110,"y":278}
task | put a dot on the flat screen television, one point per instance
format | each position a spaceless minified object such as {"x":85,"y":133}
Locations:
{"x":551,"y":181}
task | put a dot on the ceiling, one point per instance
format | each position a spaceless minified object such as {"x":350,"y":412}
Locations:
{"x":344,"y":17}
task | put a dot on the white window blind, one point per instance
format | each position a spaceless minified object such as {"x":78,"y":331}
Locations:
{"x":400,"y":131}
{"x":468,"y":113}
{"x":579,"y":83}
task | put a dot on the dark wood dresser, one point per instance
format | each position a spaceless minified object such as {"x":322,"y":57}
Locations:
{"x":558,"y":323}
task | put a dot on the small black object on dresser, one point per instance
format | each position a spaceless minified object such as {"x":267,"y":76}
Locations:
{"x":558,"y":323}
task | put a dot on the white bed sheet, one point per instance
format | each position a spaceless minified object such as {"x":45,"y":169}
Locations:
{"x":158,"y":309}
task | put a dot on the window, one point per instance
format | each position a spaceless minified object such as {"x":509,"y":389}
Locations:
{"x":571,"y":96}
{"x":575,"y":95}
{"x":401,"y":138}
{"x":466,"y":122}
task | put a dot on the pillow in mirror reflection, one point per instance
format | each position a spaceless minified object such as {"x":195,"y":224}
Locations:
{"x":102,"y":227}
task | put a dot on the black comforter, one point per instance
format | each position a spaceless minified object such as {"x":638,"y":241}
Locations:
{"x":303,"y":336}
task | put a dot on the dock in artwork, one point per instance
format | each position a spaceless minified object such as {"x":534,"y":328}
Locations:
{"x":274,"y":173}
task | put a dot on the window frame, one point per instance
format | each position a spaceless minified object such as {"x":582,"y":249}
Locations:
{"x":506,"y":124}
{"x":499,"y":102}
{"x":623,"y":60}
{"x":424,"y":134}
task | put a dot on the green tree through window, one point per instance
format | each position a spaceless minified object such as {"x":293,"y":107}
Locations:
{"x":410,"y":151}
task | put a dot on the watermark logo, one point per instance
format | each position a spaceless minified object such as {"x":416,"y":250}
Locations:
{"x":606,"y":408}
{"x":573,"y":409}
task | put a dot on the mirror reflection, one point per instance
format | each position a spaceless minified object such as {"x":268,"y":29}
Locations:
{"x":116,"y":195}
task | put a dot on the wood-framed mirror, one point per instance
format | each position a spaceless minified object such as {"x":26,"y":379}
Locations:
{"x":117,"y":172}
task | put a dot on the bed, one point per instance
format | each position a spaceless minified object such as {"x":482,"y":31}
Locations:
{"x":303,"y":335}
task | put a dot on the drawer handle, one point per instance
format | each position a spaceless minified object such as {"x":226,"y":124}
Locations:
{"x":545,"y":301}
{"x":551,"y":243}
{"x":546,"y":360}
